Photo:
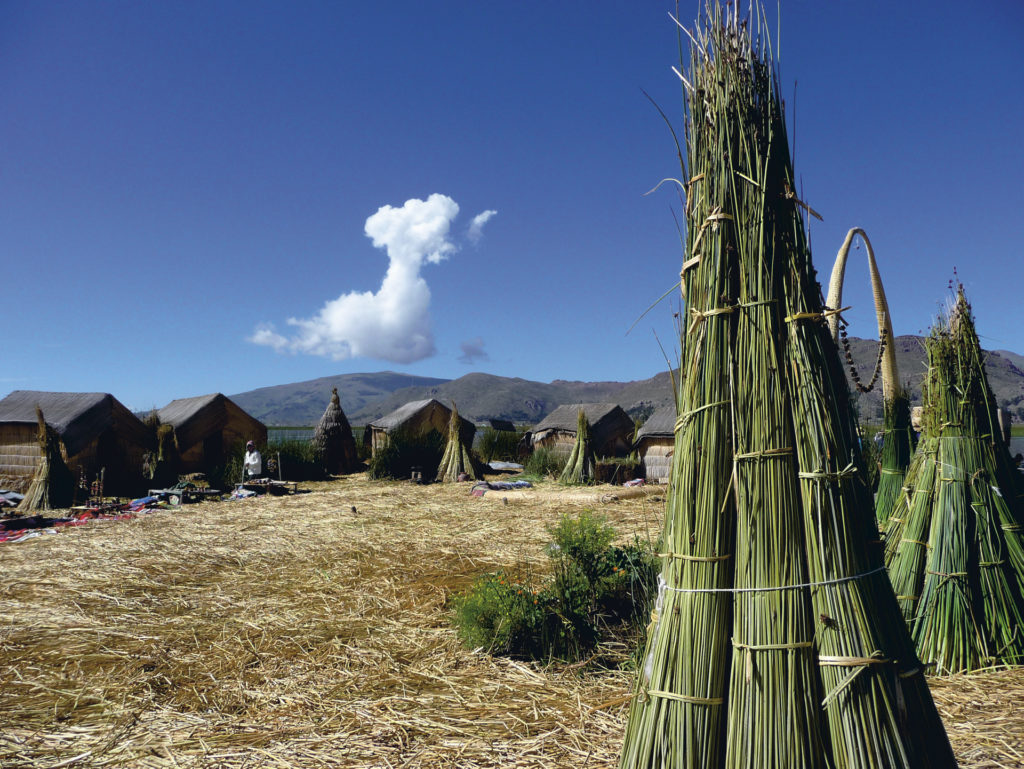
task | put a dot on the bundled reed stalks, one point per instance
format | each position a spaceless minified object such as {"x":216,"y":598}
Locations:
{"x":579,"y":468}
{"x":456,"y":459}
{"x":53,"y":485}
{"x":898,"y":437}
{"x":954,"y":544}
{"x":776,"y":640}
{"x":334,"y":441}
{"x":160,"y":467}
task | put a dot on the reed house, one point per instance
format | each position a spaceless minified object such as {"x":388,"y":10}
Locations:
{"x":416,"y":418}
{"x":207,"y":428}
{"x":611,"y":429}
{"x":97,"y":433}
{"x":654,"y":444}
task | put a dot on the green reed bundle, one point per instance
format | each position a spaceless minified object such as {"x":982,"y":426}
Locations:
{"x":52,"y":486}
{"x":776,"y":639}
{"x":579,"y":468}
{"x":456,"y":459}
{"x":954,"y":544}
{"x":897,"y":451}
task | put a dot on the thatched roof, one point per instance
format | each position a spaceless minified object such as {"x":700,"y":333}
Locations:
{"x":408,"y":413}
{"x":660,"y":424}
{"x":78,"y":418}
{"x":610,"y":425}
{"x":564,"y":417}
{"x":195,"y":418}
{"x":404,"y":414}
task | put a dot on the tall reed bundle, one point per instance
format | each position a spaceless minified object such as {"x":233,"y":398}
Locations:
{"x":776,"y":640}
{"x":53,"y":485}
{"x":579,"y":468}
{"x":161,"y":466}
{"x":333,"y":439}
{"x":456,"y":459}
{"x":898,"y":437}
{"x":954,"y":544}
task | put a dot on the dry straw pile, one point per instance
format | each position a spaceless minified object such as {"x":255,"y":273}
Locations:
{"x":313,"y":631}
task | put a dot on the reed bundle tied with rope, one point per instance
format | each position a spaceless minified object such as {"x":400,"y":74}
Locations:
{"x":333,"y":439}
{"x":897,"y":435}
{"x":457,"y":459}
{"x":776,"y":639}
{"x":579,"y":468}
{"x":954,"y":544}
{"x":53,"y":485}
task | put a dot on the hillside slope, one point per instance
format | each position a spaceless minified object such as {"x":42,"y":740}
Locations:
{"x":479,"y":396}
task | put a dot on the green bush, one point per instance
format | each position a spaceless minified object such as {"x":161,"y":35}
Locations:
{"x":500,"y":445}
{"x":544,"y":463}
{"x":404,"y":451}
{"x":299,"y":461}
{"x":594,"y":586}
{"x":502,"y":616}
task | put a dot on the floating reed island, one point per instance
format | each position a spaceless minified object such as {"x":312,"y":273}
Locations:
{"x":777,"y":640}
{"x":954,"y":542}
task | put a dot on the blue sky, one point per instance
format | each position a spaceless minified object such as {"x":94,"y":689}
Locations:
{"x":179,"y":179}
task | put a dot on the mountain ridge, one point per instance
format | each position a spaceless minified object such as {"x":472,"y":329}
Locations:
{"x":481,"y":396}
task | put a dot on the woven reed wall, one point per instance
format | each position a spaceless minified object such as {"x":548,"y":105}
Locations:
{"x":19,"y":450}
{"x":656,"y":458}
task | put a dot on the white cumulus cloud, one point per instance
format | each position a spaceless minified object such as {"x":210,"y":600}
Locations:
{"x":476,"y":227}
{"x":393,"y":323}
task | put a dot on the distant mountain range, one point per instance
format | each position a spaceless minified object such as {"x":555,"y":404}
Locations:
{"x":366,"y":397}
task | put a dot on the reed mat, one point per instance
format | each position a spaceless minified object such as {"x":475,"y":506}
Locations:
{"x":312,"y":631}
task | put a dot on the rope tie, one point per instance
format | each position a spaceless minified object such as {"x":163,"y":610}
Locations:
{"x":688,"y":699}
{"x":686,"y":416}
{"x":695,"y":558}
{"x":751,"y":648}
{"x":824,"y":476}
{"x":765,"y":454}
{"x":713,"y":219}
{"x":860,"y":664}
{"x":662,"y":585}
{"x":916,"y":542}
{"x":814,"y":315}
{"x":700,"y":315}
{"x":908,"y":598}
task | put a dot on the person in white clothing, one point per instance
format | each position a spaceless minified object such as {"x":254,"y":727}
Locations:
{"x":253,"y":461}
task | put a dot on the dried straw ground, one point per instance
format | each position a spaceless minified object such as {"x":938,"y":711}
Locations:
{"x":312,"y":631}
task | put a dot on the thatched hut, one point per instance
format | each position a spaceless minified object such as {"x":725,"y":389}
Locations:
{"x":501,"y":425}
{"x":96,"y":431}
{"x":333,"y":439}
{"x":207,"y":428}
{"x":654,"y":443}
{"x":611,"y":429}
{"x":416,"y":418}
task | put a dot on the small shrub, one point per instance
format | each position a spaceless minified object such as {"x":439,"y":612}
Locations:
{"x":585,"y":540}
{"x":544,"y":463}
{"x":299,"y":461}
{"x":500,"y":445}
{"x":404,"y":451}
{"x":594,"y":585}
{"x":502,"y":616}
